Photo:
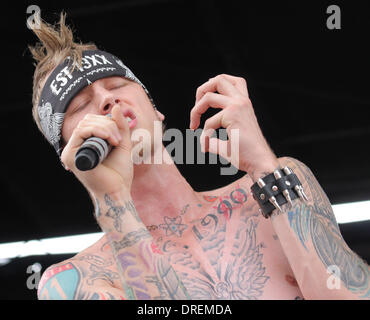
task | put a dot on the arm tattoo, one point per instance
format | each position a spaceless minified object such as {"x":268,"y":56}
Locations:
{"x":145,"y":272}
{"x":136,"y":284}
{"x":98,"y":269}
{"x":131,"y":239}
{"x":115,"y":212}
{"x":163,"y":295}
{"x":131,"y":207}
{"x":73,"y":281}
{"x":60,"y":283}
{"x":316,"y":222}
{"x":103,"y":296}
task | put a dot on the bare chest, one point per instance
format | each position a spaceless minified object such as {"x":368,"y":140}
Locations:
{"x":229,"y":252}
{"x":225,"y":250}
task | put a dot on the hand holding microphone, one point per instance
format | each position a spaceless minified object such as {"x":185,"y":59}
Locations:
{"x":92,"y":152}
{"x":111,"y":168}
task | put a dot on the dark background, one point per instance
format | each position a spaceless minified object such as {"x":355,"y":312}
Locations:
{"x":308,"y":85}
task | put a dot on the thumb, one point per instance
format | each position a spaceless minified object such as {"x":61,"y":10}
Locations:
{"x":122,"y":125}
{"x":117,"y":116}
{"x":220,"y":147}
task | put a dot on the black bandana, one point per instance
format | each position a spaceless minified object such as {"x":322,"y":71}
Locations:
{"x":63,"y":84}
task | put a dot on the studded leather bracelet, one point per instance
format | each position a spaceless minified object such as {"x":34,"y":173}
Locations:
{"x":280,"y":187}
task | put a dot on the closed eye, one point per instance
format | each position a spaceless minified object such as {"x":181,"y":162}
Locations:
{"x":81,"y":106}
{"x":117,"y":86}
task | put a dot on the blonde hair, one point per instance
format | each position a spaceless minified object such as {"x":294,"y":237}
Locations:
{"x":56,"y":43}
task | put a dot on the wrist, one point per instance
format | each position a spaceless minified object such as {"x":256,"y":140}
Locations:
{"x":110,"y":207}
{"x":262,"y":169}
{"x":117,"y":196}
{"x":277,"y":188}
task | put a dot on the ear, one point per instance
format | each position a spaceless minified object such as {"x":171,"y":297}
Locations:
{"x":160,"y":115}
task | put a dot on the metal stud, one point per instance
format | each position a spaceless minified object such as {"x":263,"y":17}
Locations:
{"x":277,"y":176}
{"x":274,"y":188}
{"x":275,"y":203}
{"x":287,"y":170}
{"x":304,"y":195}
{"x":261,"y":183}
{"x":287,"y":197}
{"x":301,"y":193}
{"x":262,"y":196}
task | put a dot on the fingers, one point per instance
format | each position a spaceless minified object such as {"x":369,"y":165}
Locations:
{"x":215,"y":145}
{"x":221,"y":147}
{"x":228,"y":87}
{"x":123,"y":127}
{"x":97,"y":126}
{"x":119,"y":119}
{"x":79,"y":136}
{"x":239,"y":82}
{"x":108,"y":126}
{"x":224,"y":84}
{"x":210,"y":126}
{"x":210,"y":99}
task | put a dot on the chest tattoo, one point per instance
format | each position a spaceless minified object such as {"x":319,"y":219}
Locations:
{"x":218,"y":263}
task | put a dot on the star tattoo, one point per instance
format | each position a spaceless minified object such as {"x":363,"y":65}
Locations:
{"x":173,"y":226}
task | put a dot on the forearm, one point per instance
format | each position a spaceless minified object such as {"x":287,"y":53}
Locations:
{"x":312,"y":242}
{"x":144,"y":270}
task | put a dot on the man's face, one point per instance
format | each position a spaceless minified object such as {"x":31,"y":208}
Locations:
{"x":100,"y":97}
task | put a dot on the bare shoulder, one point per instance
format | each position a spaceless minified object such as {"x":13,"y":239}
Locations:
{"x":299,"y":168}
{"x":55,"y":278}
{"x":307,"y":178}
{"x":89,"y":275}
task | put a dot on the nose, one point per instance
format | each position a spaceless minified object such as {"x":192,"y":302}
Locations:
{"x":107,"y":102}
{"x":107,"y":106}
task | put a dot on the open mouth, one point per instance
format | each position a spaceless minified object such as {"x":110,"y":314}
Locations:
{"x":130,"y":117}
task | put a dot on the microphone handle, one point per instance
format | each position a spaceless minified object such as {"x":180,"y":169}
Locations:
{"x":92,"y":152}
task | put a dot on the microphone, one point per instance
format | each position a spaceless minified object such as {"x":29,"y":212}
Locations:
{"x":93,"y":151}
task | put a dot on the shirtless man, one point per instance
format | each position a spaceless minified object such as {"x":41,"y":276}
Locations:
{"x":163,"y":240}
